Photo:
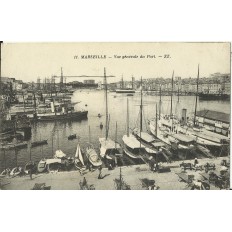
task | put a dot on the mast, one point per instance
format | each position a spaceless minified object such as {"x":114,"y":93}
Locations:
{"x":23,"y":102}
{"x":51,"y":86}
{"x":34,"y":101}
{"x":30,"y":150}
{"x":16,"y":158}
{"x":171,"y":114}
{"x":106,"y":103}
{"x":41,"y":150}
{"x":171,"y":94}
{"x":127,"y":119}
{"x":120,"y":179}
{"x":141,"y":112}
{"x":141,"y":108}
{"x":160,"y":102}
{"x":194,"y":120}
{"x":4,"y":152}
{"x":156,"y":119}
{"x":116,"y":135}
{"x":52,"y":143}
{"x":61,"y":79}
{"x":58,"y":140}
{"x":89,"y":135}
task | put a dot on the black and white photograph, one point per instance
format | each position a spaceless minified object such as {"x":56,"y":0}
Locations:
{"x":115,"y":116}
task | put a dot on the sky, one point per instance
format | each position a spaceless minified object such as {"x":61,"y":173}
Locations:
{"x":28,"y":61}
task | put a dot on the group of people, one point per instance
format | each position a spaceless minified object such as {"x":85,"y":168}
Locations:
{"x":154,"y":166}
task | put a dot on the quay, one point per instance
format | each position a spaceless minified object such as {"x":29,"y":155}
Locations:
{"x":132,"y":175}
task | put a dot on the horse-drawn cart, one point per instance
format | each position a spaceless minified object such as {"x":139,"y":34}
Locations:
{"x":209,"y":166}
{"x":149,"y":184}
{"x":186,"y":166}
{"x":185,"y":178}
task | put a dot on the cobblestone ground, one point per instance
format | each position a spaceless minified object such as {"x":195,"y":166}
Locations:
{"x":132,"y":175}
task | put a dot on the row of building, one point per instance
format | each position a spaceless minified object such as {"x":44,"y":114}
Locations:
{"x":216,"y":83}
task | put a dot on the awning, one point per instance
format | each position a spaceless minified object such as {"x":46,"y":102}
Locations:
{"x":158,"y":144}
{"x":59,"y":154}
{"x":145,"y":136}
{"x":52,"y":161}
{"x":183,"y":138}
{"x":108,"y":143}
{"x":131,"y":142}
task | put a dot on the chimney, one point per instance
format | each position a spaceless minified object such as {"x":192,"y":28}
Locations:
{"x":184,"y":116}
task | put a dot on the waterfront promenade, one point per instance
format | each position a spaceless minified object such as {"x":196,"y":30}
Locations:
{"x":131,"y":175}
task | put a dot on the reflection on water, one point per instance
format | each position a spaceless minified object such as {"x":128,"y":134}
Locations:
{"x":57,"y":132}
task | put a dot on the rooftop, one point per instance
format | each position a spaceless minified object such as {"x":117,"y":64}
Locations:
{"x":214,"y":115}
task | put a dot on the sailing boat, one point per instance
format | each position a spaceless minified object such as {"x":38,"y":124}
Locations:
{"x":201,"y":134}
{"x":167,"y":129}
{"x":132,"y":147}
{"x":129,"y":91}
{"x":30,"y":165}
{"x":107,"y":145}
{"x":92,"y":155}
{"x":79,"y":162}
{"x":120,"y":184}
{"x":143,"y":137}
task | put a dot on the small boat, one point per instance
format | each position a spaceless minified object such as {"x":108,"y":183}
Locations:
{"x":109,"y":148}
{"x":101,"y":125}
{"x":79,"y":162}
{"x":54,"y":165}
{"x":130,"y":94}
{"x":4,"y":172}
{"x":71,"y":137}
{"x":42,"y":166}
{"x":93,"y":157}
{"x":59,"y":155}
{"x":39,"y":143}
{"x":68,"y":162}
{"x":50,"y":165}
{"x":9,"y":146}
{"x":16,"y":171}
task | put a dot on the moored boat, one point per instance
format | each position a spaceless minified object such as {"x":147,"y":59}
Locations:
{"x":42,"y":165}
{"x":71,"y":137}
{"x":79,"y":161}
{"x":9,"y":146}
{"x":39,"y":143}
{"x":132,"y":147}
{"x":65,"y":113}
{"x":108,"y":147}
{"x":92,"y":156}
{"x":16,"y":171}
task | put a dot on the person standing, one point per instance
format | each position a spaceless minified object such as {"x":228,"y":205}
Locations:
{"x":100,"y":172}
{"x":195,"y":162}
{"x":30,"y":173}
{"x":84,"y":183}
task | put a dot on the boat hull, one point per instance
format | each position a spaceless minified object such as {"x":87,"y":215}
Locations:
{"x":72,"y":116}
{"x":214,"y":97}
{"x":125,"y":91}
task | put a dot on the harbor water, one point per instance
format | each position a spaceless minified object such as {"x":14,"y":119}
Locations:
{"x":94,"y":101}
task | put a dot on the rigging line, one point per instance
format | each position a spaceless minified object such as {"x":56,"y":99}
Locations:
{"x":137,"y":121}
{"x":145,"y":120}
